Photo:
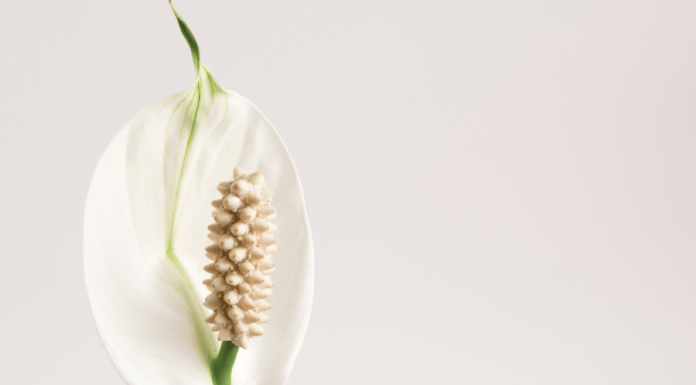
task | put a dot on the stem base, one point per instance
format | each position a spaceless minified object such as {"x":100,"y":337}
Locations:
{"x":221,"y":366}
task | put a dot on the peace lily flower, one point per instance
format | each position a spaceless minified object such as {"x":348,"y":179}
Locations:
{"x":146,"y":224}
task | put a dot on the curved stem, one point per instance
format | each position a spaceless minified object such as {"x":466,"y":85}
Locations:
{"x":221,"y":366}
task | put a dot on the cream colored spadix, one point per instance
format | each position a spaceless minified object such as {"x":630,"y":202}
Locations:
{"x":146,"y":232}
{"x":239,"y":281}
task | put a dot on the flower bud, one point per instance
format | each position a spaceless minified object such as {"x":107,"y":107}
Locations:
{"x":223,"y":218}
{"x":247,"y":214}
{"x":240,"y":187}
{"x":232,"y":203}
{"x":238,"y":254}
{"x":239,"y":228}
{"x":256,"y":178}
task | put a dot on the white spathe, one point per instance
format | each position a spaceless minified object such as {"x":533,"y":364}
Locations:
{"x":146,"y":219}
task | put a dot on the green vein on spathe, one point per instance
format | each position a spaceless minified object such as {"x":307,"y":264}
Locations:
{"x":214,"y":87}
{"x":204,"y":337}
{"x":170,"y":236}
{"x":195,"y":53}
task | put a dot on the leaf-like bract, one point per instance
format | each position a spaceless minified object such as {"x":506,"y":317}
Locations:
{"x":146,"y":218}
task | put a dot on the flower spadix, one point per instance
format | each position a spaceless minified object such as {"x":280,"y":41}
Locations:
{"x":241,"y":252}
{"x":146,"y":230}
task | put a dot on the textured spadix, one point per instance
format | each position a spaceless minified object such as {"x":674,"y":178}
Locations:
{"x":146,"y":219}
{"x":242,"y":249}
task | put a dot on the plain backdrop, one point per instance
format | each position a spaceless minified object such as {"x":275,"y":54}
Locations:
{"x":500,"y":192}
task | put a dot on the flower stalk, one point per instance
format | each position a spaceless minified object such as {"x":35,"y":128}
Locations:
{"x":221,"y":366}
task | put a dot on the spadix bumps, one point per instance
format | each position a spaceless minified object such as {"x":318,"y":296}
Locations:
{"x":241,"y":255}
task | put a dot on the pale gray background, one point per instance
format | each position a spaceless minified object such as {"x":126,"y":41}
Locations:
{"x":501,"y":192}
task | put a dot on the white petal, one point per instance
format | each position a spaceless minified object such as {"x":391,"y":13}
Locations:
{"x":156,"y":174}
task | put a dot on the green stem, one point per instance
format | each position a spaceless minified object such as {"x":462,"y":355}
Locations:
{"x":221,"y":366}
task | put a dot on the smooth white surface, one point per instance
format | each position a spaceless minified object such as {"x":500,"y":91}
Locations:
{"x":135,"y":296}
{"x":500,"y":192}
